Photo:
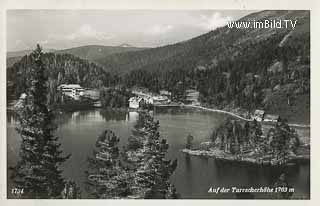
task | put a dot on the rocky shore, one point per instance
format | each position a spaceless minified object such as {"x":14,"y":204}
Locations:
{"x":249,"y":158}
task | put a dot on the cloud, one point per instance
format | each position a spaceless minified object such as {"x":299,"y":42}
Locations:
{"x":159,"y":29}
{"x":214,"y":21}
{"x":20,"y":44}
{"x":42,"y":42}
{"x":87,"y":32}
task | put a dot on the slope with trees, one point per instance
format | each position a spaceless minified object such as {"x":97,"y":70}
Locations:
{"x":37,"y":173}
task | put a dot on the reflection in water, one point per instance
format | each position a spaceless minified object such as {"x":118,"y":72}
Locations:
{"x":188,"y":162}
{"x":193,"y":176}
{"x":11,"y":117}
{"x":132,"y":116}
{"x":116,"y":115}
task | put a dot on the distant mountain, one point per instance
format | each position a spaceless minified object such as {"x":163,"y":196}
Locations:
{"x":213,"y":46}
{"x":89,"y":52}
{"x":233,"y":69}
{"x":125,"y":45}
{"x":24,"y":52}
{"x":15,"y":56}
{"x":93,"y":52}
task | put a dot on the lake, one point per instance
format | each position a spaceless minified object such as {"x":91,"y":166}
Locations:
{"x":193,"y":177}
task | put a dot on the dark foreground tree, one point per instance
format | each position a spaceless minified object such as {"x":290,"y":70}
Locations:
{"x":153,"y":171}
{"x":37,"y":171}
{"x":71,"y":191}
{"x":106,"y":176}
{"x":140,"y":171}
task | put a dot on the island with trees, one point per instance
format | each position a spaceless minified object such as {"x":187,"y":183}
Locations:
{"x":250,"y":142}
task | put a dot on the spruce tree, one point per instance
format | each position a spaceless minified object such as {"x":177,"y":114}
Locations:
{"x":37,"y":171}
{"x":106,"y":176}
{"x":153,"y":170}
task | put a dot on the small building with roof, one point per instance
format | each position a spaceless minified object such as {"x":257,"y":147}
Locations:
{"x":157,"y":100}
{"x":165,"y":93}
{"x":271,"y":118}
{"x":192,"y":96}
{"x":135,"y":102}
{"x":258,"y":115}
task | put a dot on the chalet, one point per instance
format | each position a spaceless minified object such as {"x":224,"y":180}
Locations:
{"x":135,"y":102}
{"x":200,"y":68}
{"x":258,"y":115}
{"x":72,"y":90}
{"x":143,"y":94}
{"x":165,"y":93}
{"x":160,"y":100}
{"x":271,"y":118}
{"x":192,"y":96}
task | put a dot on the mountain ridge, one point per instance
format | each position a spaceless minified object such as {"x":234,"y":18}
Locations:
{"x":233,"y":69}
{"x":216,"y":42}
{"x":88,"y":52}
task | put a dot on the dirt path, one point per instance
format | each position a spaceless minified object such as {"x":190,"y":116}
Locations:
{"x":239,"y":117}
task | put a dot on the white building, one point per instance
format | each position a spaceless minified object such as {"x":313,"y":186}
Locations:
{"x":72,"y":90}
{"x":271,"y":118}
{"x":160,"y":100}
{"x":192,"y":96}
{"x":135,"y":102}
{"x":258,"y":115}
{"x":165,"y":93}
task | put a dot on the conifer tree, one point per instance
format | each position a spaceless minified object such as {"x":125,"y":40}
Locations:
{"x":37,"y":171}
{"x":153,"y":171}
{"x":106,"y":177}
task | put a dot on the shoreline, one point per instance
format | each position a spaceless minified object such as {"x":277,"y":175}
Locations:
{"x":220,"y":155}
{"x":230,"y":113}
{"x":88,"y":107}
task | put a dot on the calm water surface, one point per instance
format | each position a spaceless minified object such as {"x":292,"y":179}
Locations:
{"x":193,"y":176}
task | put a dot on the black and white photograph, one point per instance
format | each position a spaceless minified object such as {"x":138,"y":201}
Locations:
{"x":157,"y":104}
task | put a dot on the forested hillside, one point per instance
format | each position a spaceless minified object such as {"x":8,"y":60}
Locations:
{"x":233,"y":68}
{"x":213,"y":46}
{"x":24,"y":52}
{"x":244,"y":69}
{"x":60,"y":69}
{"x":88,"y":52}
{"x":93,"y":52}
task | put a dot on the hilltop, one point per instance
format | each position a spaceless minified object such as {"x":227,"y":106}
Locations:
{"x":233,"y":69}
{"x":93,"y":52}
{"x":213,"y":46}
{"x":88,"y":52}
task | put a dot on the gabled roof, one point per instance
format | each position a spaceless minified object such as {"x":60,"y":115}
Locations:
{"x":136,"y":99}
{"x":75,"y":86}
{"x":272,"y":117}
{"x":260,"y":112}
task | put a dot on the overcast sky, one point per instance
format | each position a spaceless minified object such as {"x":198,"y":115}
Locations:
{"x":58,"y":29}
